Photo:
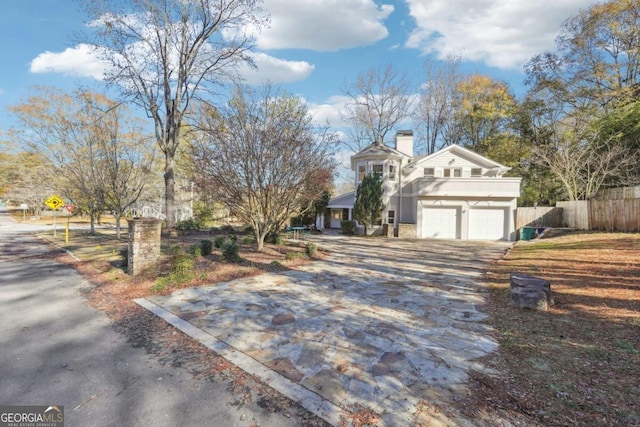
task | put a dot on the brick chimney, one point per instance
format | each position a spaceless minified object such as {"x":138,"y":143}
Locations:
{"x":404,"y":142}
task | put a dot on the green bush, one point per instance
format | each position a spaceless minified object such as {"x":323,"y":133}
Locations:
{"x":227,"y":229}
{"x":176,"y":250}
{"x":183,"y":263}
{"x":310,"y":249}
{"x":219,"y":241}
{"x":248,"y":229}
{"x":195,"y":250}
{"x":230,"y":252}
{"x":181,"y":272}
{"x":232,"y":238}
{"x":123,"y":254}
{"x":294,"y":255}
{"x":206,"y":246}
{"x":191,"y":224}
{"x":248,"y":240}
{"x":274,"y":238}
{"x":348,"y":227}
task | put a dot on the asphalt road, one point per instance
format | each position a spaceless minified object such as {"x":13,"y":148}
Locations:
{"x":57,"y":350}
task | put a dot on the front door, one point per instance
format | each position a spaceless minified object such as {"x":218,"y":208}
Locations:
{"x":336,"y":217}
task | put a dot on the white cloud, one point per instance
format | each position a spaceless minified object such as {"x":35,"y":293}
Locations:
{"x":500,"y":33}
{"x":326,"y":25}
{"x":77,"y":61}
{"x":329,"y":111}
{"x":275,"y":70}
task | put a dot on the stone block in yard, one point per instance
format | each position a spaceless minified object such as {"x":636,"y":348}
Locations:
{"x":531,"y":292}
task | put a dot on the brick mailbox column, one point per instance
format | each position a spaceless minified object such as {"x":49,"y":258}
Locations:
{"x":144,"y":245}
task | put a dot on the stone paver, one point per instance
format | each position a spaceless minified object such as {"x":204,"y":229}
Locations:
{"x":387,"y":324}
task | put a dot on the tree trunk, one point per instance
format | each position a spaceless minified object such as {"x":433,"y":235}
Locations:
{"x":169,"y":184}
{"x":118,"y":216}
{"x":92,"y":221}
{"x":260,"y":236}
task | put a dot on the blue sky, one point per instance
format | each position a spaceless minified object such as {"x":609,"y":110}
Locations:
{"x":313,"y":47}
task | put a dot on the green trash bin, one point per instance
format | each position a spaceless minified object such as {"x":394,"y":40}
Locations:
{"x":527,"y":233}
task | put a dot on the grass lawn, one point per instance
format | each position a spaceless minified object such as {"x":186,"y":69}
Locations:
{"x":578,"y":363}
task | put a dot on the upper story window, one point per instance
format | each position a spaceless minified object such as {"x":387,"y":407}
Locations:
{"x":429,"y":172}
{"x":378,"y":170}
{"x":476,"y":172}
{"x":452,"y":173}
{"x":392,"y":172}
{"x":361,"y":172}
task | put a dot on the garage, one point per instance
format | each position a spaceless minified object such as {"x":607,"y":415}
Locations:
{"x":440,"y":223}
{"x":487,"y":224}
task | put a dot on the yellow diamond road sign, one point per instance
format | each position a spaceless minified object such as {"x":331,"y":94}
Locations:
{"x":54,"y":202}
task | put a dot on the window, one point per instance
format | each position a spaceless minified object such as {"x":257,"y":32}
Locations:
{"x":392,"y":172}
{"x":391,"y":217}
{"x":361,"y":172}
{"x":429,"y":172}
{"x":377,"y":170}
{"x":452,"y":173}
{"x":476,"y":172}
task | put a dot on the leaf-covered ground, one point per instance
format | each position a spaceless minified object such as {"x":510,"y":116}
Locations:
{"x":113,"y":291}
{"x":578,"y":363}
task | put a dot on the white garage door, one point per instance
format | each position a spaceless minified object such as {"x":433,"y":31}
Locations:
{"x":486,"y":224}
{"x":440,"y":223}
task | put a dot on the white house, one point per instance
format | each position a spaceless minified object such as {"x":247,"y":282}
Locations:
{"x":451,"y":194}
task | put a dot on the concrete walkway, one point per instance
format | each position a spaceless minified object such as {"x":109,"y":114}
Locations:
{"x":390,"y":325}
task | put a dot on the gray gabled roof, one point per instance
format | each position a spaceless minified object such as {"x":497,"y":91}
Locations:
{"x":374,"y":150}
{"x":462,"y":152}
{"x":343,"y":201}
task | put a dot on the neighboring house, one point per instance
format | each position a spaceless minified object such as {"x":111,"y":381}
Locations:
{"x":452,"y":194}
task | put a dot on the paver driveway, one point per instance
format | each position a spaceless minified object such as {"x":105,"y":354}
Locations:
{"x":387,"y":324}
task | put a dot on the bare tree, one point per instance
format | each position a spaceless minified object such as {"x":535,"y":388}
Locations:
{"x":581,"y":159}
{"x":164,"y":53}
{"x":379,"y":101}
{"x":263,"y":158}
{"x":100,"y":155}
{"x":54,"y":125}
{"x":124,"y":154}
{"x":28,"y":178}
{"x":434,"y":116}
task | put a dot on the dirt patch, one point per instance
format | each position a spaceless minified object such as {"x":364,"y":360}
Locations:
{"x":578,"y":363}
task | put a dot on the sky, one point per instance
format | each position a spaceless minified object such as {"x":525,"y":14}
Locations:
{"x":313,"y":48}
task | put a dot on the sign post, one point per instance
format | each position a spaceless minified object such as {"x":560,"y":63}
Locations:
{"x":24,"y":208}
{"x":54,"y":202}
{"x":69,"y":209}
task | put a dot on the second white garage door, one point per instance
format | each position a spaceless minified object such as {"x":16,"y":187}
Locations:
{"x":440,"y":223}
{"x":487,"y":224}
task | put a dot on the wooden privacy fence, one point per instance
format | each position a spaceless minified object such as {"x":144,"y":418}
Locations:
{"x":543,"y":216}
{"x":575,"y":214}
{"x":608,"y":215}
{"x":614,"y":215}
